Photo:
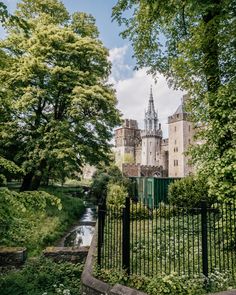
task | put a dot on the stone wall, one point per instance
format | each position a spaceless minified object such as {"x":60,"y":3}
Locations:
{"x":12,"y":256}
{"x":71,"y":254}
{"x":92,"y":286}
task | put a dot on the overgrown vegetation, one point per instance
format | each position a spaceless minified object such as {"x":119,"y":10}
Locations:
{"x":167,"y":242}
{"x":108,"y":184}
{"x":173,"y":283}
{"x":42,"y":277}
{"x":36,"y":219}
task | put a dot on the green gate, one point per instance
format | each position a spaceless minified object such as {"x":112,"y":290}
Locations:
{"x":151,"y":190}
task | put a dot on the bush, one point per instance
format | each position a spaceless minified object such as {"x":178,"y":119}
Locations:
{"x":43,"y":276}
{"x":166,"y":210}
{"x":116,"y":195}
{"x":139,"y":211}
{"x":188,"y":192}
{"x":175,"y":285}
{"x":33,"y":219}
{"x":105,"y":176}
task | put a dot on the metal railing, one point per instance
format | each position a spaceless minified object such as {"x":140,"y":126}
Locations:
{"x":168,"y":239}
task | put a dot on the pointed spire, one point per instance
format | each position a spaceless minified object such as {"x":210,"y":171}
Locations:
{"x":151,"y":109}
{"x":151,"y":115}
{"x":151,"y":95}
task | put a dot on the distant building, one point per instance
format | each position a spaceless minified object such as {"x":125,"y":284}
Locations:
{"x":147,"y":153}
{"x":181,"y":134}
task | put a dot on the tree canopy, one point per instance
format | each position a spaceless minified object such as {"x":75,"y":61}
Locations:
{"x":59,"y":110}
{"x":192,"y":44}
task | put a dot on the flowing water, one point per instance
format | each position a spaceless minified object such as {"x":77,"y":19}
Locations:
{"x":81,"y":234}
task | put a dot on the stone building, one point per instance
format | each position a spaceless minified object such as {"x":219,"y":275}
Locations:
{"x":147,"y":153}
{"x":181,"y":134}
{"x":128,"y":143}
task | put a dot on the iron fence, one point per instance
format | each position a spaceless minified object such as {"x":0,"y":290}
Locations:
{"x":168,"y":239}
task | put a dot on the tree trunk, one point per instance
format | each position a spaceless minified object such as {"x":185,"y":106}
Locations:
{"x":27,"y":180}
{"x":210,"y":46}
{"x":36,"y":180}
{"x":210,"y":49}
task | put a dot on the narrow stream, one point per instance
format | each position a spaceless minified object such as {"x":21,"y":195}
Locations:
{"x":81,"y":234}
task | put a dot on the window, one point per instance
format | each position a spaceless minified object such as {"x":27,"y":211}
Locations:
{"x":175,"y":141}
{"x":175,"y":162}
{"x":176,"y":149}
{"x":189,"y":128}
{"x":175,"y":128}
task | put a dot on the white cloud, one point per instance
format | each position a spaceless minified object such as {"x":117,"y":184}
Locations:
{"x":119,"y":67}
{"x":133,"y":93}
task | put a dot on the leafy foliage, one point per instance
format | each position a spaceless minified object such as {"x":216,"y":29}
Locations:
{"x":104,"y":176}
{"x":35,"y":219}
{"x":188,"y":192}
{"x":43,"y":276}
{"x":191,"y":44}
{"x":59,"y":109}
{"x":20,"y":215}
{"x":139,"y":211}
{"x":116,"y":195}
{"x":168,"y":284}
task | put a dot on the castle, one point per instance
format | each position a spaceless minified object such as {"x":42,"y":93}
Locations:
{"x":147,"y":153}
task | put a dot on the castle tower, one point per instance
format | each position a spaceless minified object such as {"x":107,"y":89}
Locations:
{"x":180,"y":137}
{"x":151,"y":136}
{"x":127,"y":143}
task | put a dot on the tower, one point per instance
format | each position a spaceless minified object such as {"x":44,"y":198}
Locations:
{"x":180,"y":137}
{"x":127,"y":143}
{"x":151,"y":136}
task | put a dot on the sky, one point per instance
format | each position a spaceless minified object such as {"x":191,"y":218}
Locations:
{"x":132,"y":87}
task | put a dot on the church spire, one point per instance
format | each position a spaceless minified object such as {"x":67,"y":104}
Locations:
{"x":151,"y":108}
{"x":151,"y":115}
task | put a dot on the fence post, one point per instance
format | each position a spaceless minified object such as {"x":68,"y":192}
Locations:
{"x":204,"y":238}
{"x":126,"y":236}
{"x":101,"y":223}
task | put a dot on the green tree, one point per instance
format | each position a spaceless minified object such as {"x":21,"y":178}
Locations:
{"x":105,"y":176}
{"x":60,"y":109}
{"x":191,"y":43}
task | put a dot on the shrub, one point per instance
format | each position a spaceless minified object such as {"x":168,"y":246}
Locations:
{"x":188,"y":192}
{"x":175,"y":285}
{"x":166,"y":210}
{"x":43,"y":276}
{"x":218,"y":281}
{"x":105,"y":176}
{"x":116,"y":195}
{"x":111,"y":276}
{"x":33,"y":219}
{"x":139,"y":211}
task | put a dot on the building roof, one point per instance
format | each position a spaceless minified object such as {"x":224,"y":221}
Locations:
{"x":180,"y":110}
